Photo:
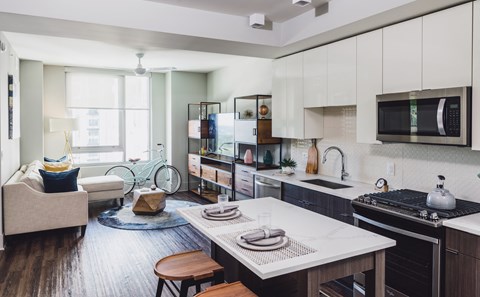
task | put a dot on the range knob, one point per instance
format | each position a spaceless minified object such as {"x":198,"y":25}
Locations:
{"x":367,"y":200}
{"x":360,"y":198}
{"x":434,"y":216}
{"x":423,"y":214}
{"x":374,"y":202}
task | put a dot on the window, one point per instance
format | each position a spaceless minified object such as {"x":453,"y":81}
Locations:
{"x":114,"y":116}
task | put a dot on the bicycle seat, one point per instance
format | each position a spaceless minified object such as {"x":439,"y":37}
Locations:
{"x":133,"y":160}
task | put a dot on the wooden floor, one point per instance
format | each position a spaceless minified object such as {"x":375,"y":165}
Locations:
{"x":106,"y":262}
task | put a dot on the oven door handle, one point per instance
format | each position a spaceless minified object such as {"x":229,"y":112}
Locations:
{"x":396,"y":230}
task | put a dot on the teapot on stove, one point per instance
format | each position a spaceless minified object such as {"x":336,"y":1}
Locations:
{"x":441,"y":198}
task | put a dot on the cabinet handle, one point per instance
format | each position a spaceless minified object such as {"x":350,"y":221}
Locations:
{"x":254,"y":131}
{"x":244,"y":180}
{"x":452,"y":251}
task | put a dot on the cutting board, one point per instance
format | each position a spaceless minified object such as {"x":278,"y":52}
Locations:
{"x":312,"y":160}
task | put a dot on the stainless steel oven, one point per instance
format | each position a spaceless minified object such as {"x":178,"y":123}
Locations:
{"x":412,"y":267}
{"x":441,"y":116}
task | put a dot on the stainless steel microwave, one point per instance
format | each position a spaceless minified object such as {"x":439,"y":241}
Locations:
{"x":440,"y":116}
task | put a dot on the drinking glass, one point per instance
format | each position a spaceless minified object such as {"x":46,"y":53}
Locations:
{"x":222,"y":199}
{"x":264,"y":220}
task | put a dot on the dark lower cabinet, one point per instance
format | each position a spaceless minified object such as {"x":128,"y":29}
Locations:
{"x":328,"y":205}
{"x":462,"y":264}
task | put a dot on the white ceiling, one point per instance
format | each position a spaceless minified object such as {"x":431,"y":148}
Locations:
{"x":274,"y":10}
{"x":86,"y":53}
{"x":191,"y":35}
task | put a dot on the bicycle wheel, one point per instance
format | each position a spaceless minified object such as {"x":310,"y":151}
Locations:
{"x":168,"y":179}
{"x":124,"y":173}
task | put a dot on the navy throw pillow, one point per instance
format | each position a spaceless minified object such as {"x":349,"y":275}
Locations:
{"x":46,"y":159}
{"x":57,"y":182}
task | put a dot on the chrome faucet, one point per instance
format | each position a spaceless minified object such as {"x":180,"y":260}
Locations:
{"x":324,"y":159}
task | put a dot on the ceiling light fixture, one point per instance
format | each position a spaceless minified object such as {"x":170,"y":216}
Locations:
{"x":257,"y":20}
{"x":301,"y":3}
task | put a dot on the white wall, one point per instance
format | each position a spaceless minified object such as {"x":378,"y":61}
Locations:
{"x":416,"y":165}
{"x":54,"y":107}
{"x":10,"y":148}
{"x":182,"y":88}
{"x":31,"y":113}
{"x":250,"y":76}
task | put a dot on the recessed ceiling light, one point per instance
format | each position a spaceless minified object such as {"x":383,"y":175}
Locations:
{"x":301,"y":2}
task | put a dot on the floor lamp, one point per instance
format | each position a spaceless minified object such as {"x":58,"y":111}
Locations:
{"x":67,"y":125}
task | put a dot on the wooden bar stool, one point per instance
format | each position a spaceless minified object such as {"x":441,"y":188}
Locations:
{"x":191,"y":268}
{"x":236,"y":289}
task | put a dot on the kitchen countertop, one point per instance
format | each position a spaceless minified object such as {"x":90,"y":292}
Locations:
{"x":357,"y":189}
{"x":469,"y":224}
{"x":332,"y":240}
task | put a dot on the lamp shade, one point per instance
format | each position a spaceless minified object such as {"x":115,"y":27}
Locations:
{"x":63,"y":124}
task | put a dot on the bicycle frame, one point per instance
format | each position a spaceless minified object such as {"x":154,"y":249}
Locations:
{"x":143,"y":172}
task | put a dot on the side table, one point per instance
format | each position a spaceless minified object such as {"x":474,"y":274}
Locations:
{"x":148,"y":202}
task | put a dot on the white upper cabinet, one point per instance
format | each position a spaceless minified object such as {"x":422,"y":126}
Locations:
{"x":447,"y":48}
{"x":294,"y":104}
{"x":402,"y":57}
{"x":476,"y":79}
{"x":315,"y":77}
{"x":289,"y":118}
{"x":279,"y":98}
{"x":342,"y":73}
{"x":369,"y":84}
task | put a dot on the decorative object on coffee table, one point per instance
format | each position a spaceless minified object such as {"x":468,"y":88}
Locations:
{"x":148,"y":202}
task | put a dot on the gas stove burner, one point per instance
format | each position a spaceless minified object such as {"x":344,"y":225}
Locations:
{"x":412,"y":205}
{"x":416,"y":200}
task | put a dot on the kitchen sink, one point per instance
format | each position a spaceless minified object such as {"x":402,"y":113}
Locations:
{"x":326,"y":184}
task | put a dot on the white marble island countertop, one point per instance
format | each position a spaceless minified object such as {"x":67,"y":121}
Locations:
{"x":329,"y":240}
{"x":469,"y":224}
{"x":356,"y":190}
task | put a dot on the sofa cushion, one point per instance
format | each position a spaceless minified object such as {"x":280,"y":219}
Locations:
{"x":57,"y":166}
{"x":23,"y":168}
{"x":33,"y":179}
{"x":57,"y":182}
{"x":101,"y":183}
{"x":62,"y":159}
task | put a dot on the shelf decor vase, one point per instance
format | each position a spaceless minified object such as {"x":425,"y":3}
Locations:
{"x":248,"y":157}
{"x":267,"y":158}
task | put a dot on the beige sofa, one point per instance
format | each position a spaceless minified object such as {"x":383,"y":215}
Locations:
{"x":27,"y":208}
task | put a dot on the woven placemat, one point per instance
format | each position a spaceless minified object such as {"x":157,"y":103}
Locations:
{"x":291,"y":250}
{"x":196,"y":214}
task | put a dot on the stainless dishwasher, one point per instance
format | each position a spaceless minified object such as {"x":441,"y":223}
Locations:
{"x":266,"y":187}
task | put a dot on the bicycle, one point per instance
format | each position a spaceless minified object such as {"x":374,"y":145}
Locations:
{"x":167,"y":177}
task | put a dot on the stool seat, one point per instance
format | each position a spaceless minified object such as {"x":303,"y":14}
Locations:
{"x":236,"y":289}
{"x":192,"y":268}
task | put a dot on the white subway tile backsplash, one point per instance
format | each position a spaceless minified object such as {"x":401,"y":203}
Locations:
{"x":416,"y":165}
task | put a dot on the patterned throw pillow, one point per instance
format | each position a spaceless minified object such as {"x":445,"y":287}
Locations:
{"x":57,"y":182}
{"x":62,"y":159}
{"x":57,"y":166}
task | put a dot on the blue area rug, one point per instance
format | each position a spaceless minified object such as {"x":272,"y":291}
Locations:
{"x":123,"y":217}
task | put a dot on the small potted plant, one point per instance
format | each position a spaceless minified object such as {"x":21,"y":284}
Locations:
{"x":288,"y":165}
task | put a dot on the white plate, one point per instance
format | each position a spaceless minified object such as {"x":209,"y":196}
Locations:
{"x":223,"y":214}
{"x":233,"y":215}
{"x":283,"y":241}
